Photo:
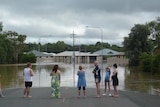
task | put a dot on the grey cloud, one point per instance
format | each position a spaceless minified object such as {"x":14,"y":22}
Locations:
{"x":58,"y":17}
{"x":56,"y":6}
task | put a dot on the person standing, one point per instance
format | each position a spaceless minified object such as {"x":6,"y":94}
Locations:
{"x":97,"y":76}
{"x":55,"y":82}
{"x":81,"y":81}
{"x":1,"y":94}
{"x":115,"y":80}
{"x":107,"y":81}
{"x":28,"y":73}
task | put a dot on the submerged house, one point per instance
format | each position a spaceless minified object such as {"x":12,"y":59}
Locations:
{"x":66,"y":57}
{"x":111,"y":56}
{"x":80,"y":57}
{"x":108,"y":55}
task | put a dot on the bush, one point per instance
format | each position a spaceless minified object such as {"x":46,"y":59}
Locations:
{"x":150,"y":63}
{"x":156,"y":64}
{"x":24,"y":58}
{"x":146,"y":62}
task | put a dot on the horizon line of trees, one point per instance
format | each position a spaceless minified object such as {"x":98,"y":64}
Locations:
{"x":61,"y":46}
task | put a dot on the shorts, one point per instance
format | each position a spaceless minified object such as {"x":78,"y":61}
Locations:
{"x":79,"y":88}
{"x":115,"y":82}
{"x":28,"y":84}
{"x":106,"y":80}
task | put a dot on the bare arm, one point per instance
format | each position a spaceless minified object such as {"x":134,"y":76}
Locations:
{"x":114,"y":73}
{"x":31,"y":72}
{"x":51,"y":73}
{"x":59,"y":74}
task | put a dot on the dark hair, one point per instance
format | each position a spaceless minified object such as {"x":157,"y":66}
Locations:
{"x":55,"y":68}
{"x":107,"y":68}
{"x":28,"y":64}
{"x":115,"y":65}
{"x":80,"y":67}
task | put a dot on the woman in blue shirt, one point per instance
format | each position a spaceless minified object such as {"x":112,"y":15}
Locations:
{"x":81,"y":81}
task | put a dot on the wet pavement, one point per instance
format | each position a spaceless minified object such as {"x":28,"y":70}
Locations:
{"x":41,"y":98}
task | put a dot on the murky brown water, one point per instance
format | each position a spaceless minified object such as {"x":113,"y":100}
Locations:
{"x":11,"y":76}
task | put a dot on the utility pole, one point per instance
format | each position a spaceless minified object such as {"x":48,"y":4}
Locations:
{"x":73,"y":57}
{"x":101,"y":31}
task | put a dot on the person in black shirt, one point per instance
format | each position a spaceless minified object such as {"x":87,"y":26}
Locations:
{"x":97,"y":76}
{"x":115,"y":80}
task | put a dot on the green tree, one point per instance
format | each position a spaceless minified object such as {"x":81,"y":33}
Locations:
{"x":156,"y":64}
{"x":6,"y":49}
{"x":137,"y":43}
{"x":24,"y":58}
{"x":154,"y":27}
{"x":31,"y":46}
{"x":17,"y":41}
{"x":146,"y":62}
{"x":1,"y":27}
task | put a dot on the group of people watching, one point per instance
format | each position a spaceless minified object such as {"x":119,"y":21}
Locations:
{"x":97,"y":76}
{"x":81,"y":83}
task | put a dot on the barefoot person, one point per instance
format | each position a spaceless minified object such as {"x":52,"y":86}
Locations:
{"x":28,"y":73}
{"x":115,"y":80}
{"x":107,"y":81}
{"x":55,"y":82}
{"x":1,"y":94}
{"x":97,"y":76}
{"x":81,"y":81}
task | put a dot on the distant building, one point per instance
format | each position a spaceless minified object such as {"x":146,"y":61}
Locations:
{"x":108,"y":52}
{"x":65,"y":57}
{"x":80,"y":57}
{"x":41,"y":54}
{"x":111,"y":56}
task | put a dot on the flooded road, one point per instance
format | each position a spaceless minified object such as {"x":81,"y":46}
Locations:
{"x":11,"y":76}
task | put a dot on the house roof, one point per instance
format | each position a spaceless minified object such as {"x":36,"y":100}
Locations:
{"x":49,"y":54}
{"x":40,"y":54}
{"x":108,"y":52}
{"x":77,"y":53}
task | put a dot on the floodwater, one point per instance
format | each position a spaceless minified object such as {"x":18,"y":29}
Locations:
{"x":11,"y":76}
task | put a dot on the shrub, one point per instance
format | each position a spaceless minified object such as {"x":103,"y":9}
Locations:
{"x":24,"y":58}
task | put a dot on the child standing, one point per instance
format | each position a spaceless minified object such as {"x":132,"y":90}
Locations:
{"x":107,"y":81}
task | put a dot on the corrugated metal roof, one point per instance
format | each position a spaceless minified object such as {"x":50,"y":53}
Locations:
{"x":77,"y":53}
{"x":39,"y":54}
{"x":108,"y":52}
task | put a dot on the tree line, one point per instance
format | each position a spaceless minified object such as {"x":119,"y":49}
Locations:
{"x":61,"y":46}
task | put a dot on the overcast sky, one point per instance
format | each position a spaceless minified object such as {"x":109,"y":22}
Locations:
{"x":59,"y":18}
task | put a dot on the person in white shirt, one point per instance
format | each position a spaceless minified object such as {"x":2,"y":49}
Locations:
{"x":28,"y":73}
